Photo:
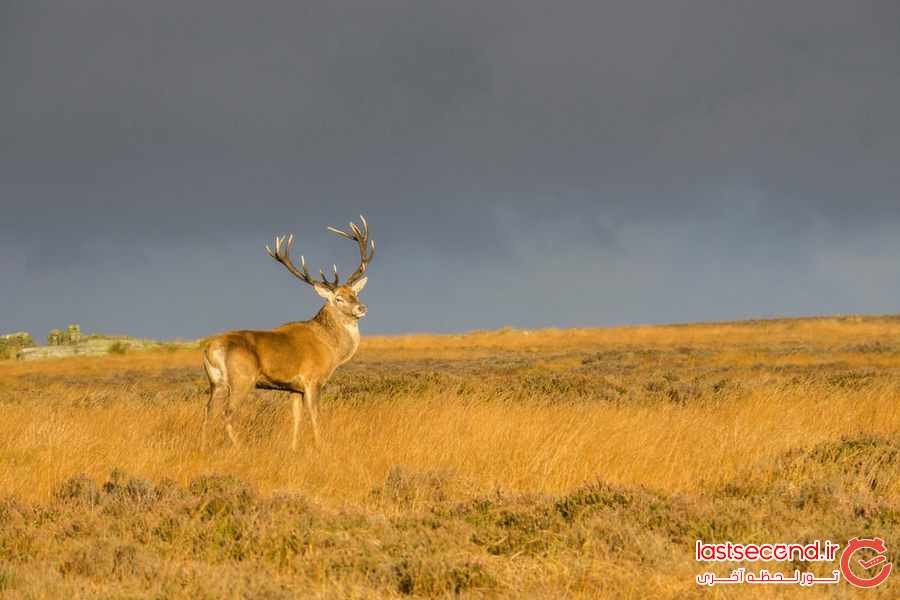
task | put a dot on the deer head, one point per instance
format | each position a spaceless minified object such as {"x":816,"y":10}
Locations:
{"x":342,"y":296}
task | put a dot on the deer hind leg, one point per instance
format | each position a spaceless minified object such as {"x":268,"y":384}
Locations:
{"x":230,"y":405}
{"x":215,"y":395}
{"x":237,"y":394}
{"x":219,"y":389}
{"x":229,"y":384}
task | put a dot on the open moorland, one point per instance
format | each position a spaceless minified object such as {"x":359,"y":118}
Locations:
{"x":576,"y":463}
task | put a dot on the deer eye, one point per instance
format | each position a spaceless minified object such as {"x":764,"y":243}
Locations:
{"x":339,"y":300}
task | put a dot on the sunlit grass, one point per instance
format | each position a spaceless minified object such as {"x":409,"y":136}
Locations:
{"x":682,"y":412}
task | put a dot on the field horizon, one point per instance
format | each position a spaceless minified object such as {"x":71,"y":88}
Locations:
{"x":501,"y":463}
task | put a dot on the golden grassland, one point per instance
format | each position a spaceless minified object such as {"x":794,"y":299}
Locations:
{"x":553,"y":463}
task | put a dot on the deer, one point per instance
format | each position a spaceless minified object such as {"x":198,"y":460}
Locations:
{"x":297,"y":357}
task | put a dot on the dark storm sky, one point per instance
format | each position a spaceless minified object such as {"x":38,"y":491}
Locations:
{"x":525,"y":163}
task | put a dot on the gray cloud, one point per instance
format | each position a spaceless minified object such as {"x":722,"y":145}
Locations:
{"x":527,"y":163}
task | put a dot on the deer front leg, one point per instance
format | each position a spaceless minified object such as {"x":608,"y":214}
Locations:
{"x":297,"y":408}
{"x":311,"y":395}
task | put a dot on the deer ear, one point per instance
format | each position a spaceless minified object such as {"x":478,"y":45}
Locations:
{"x":359,"y":285}
{"x":323,"y":291}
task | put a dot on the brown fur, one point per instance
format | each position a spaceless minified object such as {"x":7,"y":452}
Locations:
{"x":295,"y":357}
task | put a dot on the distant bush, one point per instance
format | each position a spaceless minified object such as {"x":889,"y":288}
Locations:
{"x":119,"y":348}
{"x":11,"y":343}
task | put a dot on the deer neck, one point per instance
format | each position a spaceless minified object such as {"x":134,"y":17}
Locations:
{"x":343,"y":331}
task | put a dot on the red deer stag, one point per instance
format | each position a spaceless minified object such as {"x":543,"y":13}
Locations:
{"x":296,"y":357}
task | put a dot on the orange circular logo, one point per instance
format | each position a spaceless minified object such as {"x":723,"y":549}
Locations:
{"x":878,"y":546}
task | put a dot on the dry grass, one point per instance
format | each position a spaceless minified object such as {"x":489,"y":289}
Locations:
{"x":502,"y":463}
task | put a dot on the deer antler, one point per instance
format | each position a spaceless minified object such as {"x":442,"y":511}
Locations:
{"x":366,"y":248}
{"x":282,"y":254}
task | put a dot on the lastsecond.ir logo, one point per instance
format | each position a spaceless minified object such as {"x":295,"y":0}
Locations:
{"x":876,"y":545}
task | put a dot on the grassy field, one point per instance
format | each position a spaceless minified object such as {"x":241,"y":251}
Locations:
{"x":580,"y":463}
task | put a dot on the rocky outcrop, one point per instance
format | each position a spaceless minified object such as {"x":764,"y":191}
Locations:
{"x":90,"y":346}
{"x":72,"y":335}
